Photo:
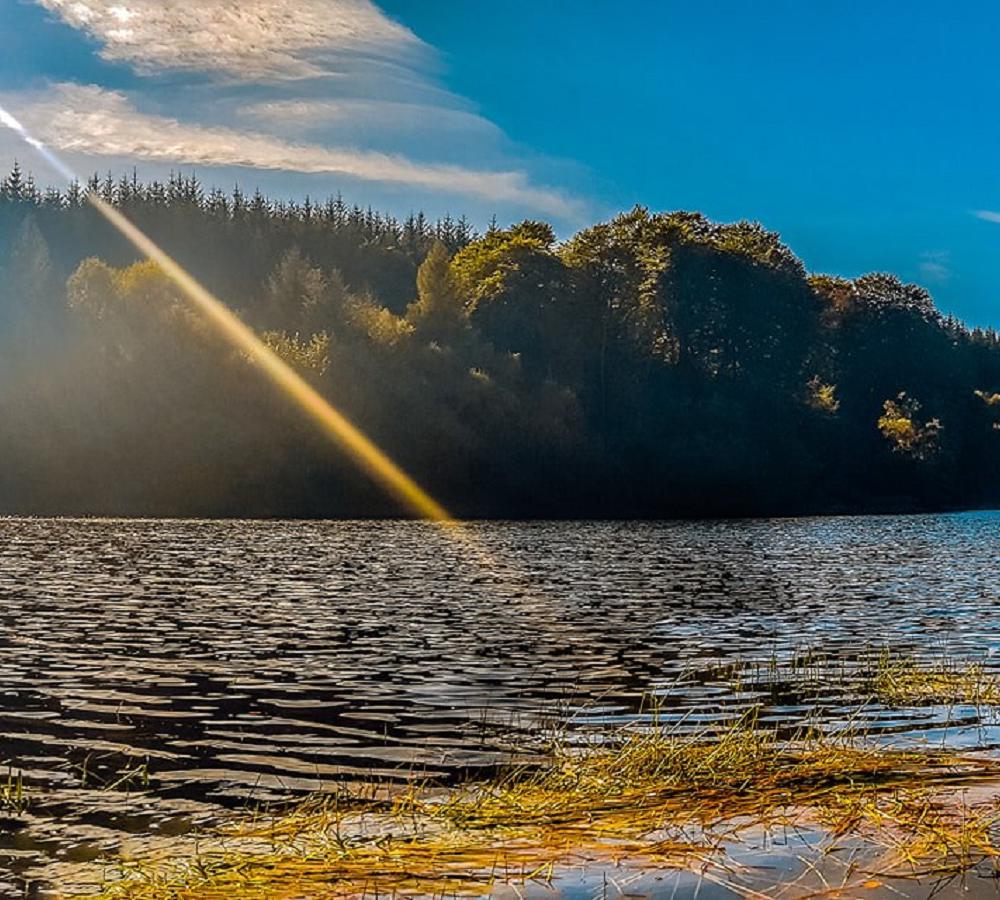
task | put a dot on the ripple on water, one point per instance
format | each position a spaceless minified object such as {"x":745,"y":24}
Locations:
{"x":221,"y":662}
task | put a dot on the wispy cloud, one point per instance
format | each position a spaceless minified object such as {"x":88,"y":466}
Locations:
{"x":333,"y":87}
{"x":987,"y":215}
{"x":96,"y":122}
{"x":934,"y":267}
{"x":317,"y":115}
{"x":245,"y":39}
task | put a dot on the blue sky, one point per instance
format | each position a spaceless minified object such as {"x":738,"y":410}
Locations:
{"x":864,"y":133}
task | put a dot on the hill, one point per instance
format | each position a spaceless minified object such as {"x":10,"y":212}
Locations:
{"x":654,"y":365}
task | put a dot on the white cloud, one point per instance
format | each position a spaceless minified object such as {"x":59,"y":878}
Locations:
{"x":315,"y":115}
{"x":245,"y":39}
{"x":987,"y":215}
{"x":95,"y":122}
{"x":311,"y":86}
{"x":934,"y":267}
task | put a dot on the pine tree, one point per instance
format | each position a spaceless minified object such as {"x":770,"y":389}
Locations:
{"x":259,"y":206}
{"x":297,"y":293}
{"x":107,"y":190}
{"x":12,"y":187}
{"x":31,"y":193}
{"x":238,"y":204}
{"x":30,"y":275}
{"x":74,"y":195}
{"x":438,"y":312}
{"x":53,"y":199}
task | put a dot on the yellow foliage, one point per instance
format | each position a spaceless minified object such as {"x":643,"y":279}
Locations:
{"x":898,"y":429}
{"x":138,"y":306}
{"x":381,"y":325}
{"x":822,"y":396}
{"x":312,"y":355}
{"x":899,"y":426}
{"x":145,"y":279}
{"x":992,"y":402}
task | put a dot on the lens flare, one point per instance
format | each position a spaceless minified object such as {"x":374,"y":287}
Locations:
{"x":368,"y":456}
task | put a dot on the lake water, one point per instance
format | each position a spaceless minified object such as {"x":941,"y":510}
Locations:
{"x":154,"y":674}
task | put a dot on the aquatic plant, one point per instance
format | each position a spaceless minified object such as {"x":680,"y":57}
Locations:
{"x":884,"y":676}
{"x":12,"y":794}
{"x":648,"y":799}
{"x":901,"y":680}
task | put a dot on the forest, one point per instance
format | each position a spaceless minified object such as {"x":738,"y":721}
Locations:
{"x":655,"y":365}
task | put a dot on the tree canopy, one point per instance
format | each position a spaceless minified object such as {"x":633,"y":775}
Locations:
{"x":657,"y":364}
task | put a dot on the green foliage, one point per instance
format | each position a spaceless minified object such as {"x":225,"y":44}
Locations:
{"x":623,"y":266}
{"x":309,"y":355}
{"x":886,"y":293}
{"x":489,"y":269}
{"x":517,"y":291}
{"x":298,"y":292}
{"x":31,"y":272}
{"x":764,"y":248}
{"x":653,"y":364}
{"x":438,"y":311}
{"x":378,"y":324}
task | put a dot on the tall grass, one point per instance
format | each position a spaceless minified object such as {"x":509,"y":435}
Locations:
{"x":902,"y":680}
{"x":646,"y":799}
{"x":13,"y":797}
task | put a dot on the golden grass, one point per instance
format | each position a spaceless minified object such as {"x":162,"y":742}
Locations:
{"x":887,"y":677}
{"x":12,"y":794}
{"x":901,"y":681}
{"x":643,"y":799}
{"x":924,"y":835}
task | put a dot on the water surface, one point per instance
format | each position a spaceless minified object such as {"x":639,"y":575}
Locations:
{"x":156,"y":673}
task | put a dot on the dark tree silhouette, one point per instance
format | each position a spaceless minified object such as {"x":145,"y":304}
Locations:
{"x":653,"y":365}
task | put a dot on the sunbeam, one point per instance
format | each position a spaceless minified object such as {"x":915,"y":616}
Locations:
{"x":369,"y":457}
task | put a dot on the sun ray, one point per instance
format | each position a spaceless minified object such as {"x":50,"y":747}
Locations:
{"x":334,"y":424}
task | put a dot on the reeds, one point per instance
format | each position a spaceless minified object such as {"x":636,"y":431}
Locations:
{"x":646,"y":799}
{"x":888,"y":677}
{"x":902,"y":680}
{"x":12,"y":794}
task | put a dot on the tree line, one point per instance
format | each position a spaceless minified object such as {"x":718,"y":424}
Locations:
{"x":658,"y":364}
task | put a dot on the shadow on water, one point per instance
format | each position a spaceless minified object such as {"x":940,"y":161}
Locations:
{"x":158,"y":673}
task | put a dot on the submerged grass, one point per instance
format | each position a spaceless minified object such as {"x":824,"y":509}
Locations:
{"x":644,"y":798}
{"x":12,"y":794}
{"x":886,"y":676}
{"x":902,"y":680}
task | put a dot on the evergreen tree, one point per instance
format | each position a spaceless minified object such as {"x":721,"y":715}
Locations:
{"x":438,"y":313}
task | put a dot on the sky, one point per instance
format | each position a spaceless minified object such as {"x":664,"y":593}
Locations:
{"x":865,"y":133}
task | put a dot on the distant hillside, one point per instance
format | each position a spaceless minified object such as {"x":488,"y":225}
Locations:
{"x":654,"y":365}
